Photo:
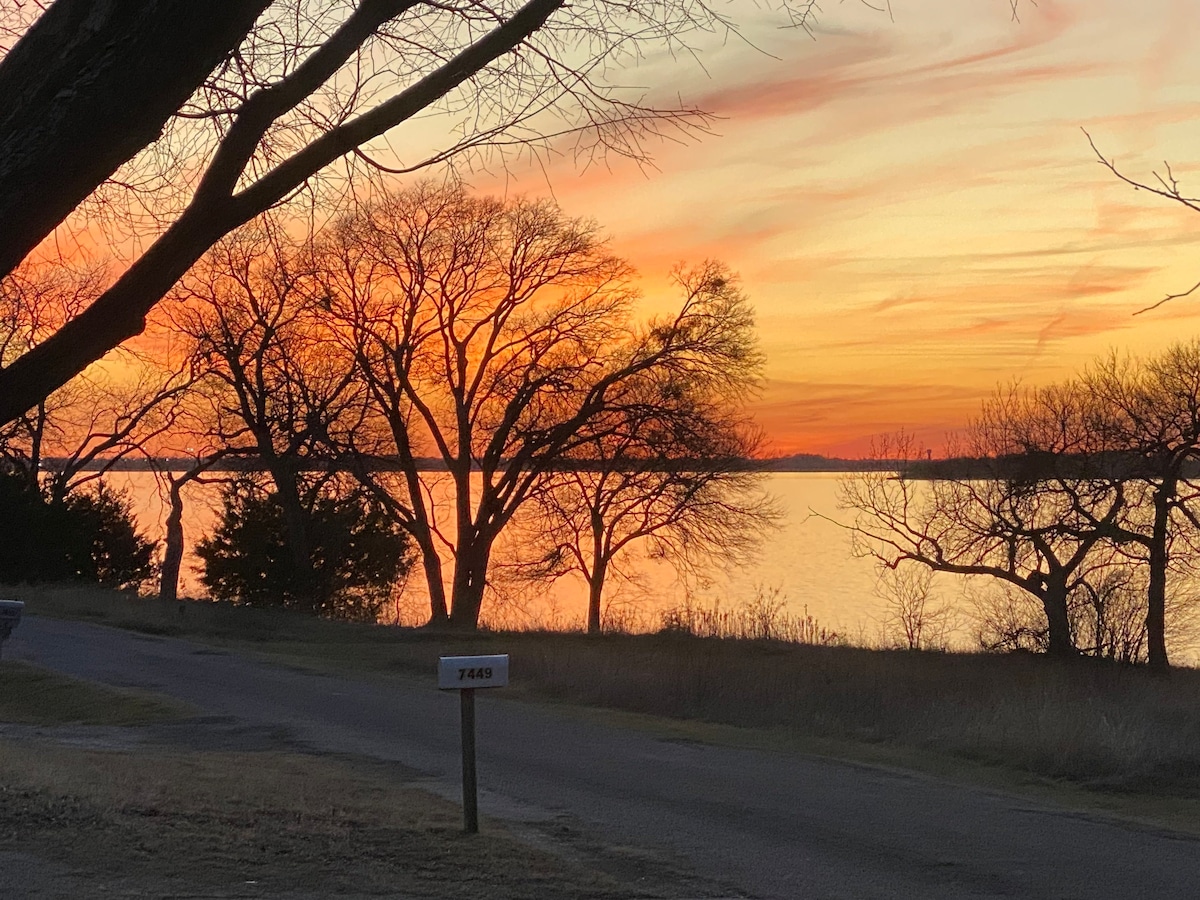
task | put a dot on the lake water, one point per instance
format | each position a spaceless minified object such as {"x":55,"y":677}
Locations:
{"x":807,"y":562}
{"x":806,"y":565}
{"x":806,"y":568}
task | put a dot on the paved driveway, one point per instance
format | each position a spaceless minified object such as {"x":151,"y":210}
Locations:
{"x":768,"y":824}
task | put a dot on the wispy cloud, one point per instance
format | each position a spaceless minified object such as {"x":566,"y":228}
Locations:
{"x":915,"y":210}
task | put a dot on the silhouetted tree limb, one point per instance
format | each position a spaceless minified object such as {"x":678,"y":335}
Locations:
{"x":1034,"y":529}
{"x":238,"y":106}
{"x":669,"y":475}
{"x":86,"y":88}
{"x":1166,"y":186}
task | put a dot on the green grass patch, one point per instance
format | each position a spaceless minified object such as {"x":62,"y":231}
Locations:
{"x":33,"y":696}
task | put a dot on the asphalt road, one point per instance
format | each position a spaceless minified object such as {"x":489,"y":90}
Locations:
{"x":772,"y":825}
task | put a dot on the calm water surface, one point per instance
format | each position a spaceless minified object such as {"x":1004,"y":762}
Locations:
{"x":805,"y":565}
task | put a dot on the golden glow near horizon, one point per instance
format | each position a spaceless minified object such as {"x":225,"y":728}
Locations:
{"x":913,"y":206}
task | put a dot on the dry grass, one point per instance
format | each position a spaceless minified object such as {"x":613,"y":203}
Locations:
{"x":1093,"y":724}
{"x":162,"y":823}
{"x":91,"y":816}
{"x":764,"y":617}
{"x":29,"y":695}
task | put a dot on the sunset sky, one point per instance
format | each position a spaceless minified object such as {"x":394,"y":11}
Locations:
{"x":912,"y":204}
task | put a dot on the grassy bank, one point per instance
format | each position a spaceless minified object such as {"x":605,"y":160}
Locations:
{"x":90,"y":811}
{"x":33,"y":696}
{"x":168,"y":823}
{"x":1090,"y":724}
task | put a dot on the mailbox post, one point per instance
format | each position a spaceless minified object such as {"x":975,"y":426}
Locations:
{"x":10,"y":615}
{"x":465,"y":674}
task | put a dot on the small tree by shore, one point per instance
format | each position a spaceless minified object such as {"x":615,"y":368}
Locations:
{"x":358,"y":555}
{"x":88,"y":536}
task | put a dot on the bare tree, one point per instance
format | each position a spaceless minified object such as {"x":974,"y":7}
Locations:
{"x":914,"y":619}
{"x":173,"y":481}
{"x":494,"y":338}
{"x":273,"y":388}
{"x":109,"y":412}
{"x":1149,"y":409}
{"x":253,"y":103}
{"x":669,"y":474}
{"x":1110,"y":614}
{"x":1029,"y":508}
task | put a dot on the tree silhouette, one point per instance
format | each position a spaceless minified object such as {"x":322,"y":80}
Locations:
{"x":271,"y":387}
{"x":1035,"y":503}
{"x":198,"y":122}
{"x":1149,"y":409}
{"x":496,"y":338}
{"x":669,"y":475}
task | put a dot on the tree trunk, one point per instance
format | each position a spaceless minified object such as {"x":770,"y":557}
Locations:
{"x":596,"y":595}
{"x":470,"y":579}
{"x":296,"y":530}
{"x":1054,"y":602}
{"x":1156,"y":593}
{"x":35,"y":448}
{"x":432,"y":563}
{"x":168,"y":583}
{"x":88,"y":86}
{"x":119,"y":313}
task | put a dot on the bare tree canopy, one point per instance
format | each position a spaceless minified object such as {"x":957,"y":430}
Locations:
{"x":1150,"y":410}
{"x":86,"y":88}
{"x":497,"y":339}
{"x":1029,"y":512}
{"x":1080,"y":494}
{"x":259,"y":340}
{"x":486,"y":333}
{"x":668,"y":475}
{"x":254,"y":100}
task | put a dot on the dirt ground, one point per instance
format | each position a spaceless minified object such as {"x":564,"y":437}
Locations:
{"x":207,"y":809}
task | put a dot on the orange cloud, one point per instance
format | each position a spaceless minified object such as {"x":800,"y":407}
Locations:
{"x":915,"y":211}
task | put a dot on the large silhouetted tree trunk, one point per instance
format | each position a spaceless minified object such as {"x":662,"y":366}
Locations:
{"x":1156,"y":593}
{"x":1060,"y":641}
{"x":470,"y":581}
{"x":172,"y":561}
{"x":221,"y":202}
{"x":88,"y":86}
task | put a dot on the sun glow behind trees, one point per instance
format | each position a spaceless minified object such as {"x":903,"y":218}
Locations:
{"x":994,"y":244}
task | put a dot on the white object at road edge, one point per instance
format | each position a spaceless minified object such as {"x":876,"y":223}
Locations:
{"x":458,"y":672}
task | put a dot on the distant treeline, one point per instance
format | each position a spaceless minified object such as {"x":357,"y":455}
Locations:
{"x":800,"y":462}
{"x":1036,"y":466}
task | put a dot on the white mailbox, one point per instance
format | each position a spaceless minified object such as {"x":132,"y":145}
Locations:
{"x":458,"y":672}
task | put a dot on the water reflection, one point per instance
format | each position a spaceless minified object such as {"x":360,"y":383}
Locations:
{"x":805,"y":568}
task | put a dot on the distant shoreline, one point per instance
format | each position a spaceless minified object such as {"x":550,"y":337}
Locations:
{"x":798,"y":463}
